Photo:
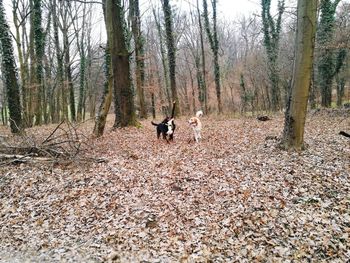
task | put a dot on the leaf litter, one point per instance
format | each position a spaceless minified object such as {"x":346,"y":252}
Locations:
{"x":234,"y":197}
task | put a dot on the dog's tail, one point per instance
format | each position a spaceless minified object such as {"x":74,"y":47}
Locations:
{"x":155,"y":124}
{"x":199,"y":114}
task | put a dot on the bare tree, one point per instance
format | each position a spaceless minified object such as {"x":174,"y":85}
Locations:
{"x":293,"y":133}
{"x":168,"y":17}
{"x":214,"y":45}
{"x":123,"y":94}
{"x":10,"y":73}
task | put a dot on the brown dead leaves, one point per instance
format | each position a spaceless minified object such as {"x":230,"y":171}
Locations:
{"x":233,"y":197}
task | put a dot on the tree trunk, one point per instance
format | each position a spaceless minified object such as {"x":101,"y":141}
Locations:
{"x":139,"y":55}
{"x":164,"y":61}
{"x":326,"y":61}
{"x":204,"y":72}
{"x":69,"y":79}
{"x":67,"y":63}
{"x":168,"y":17}
{"x":10,"y":73}
{"x":293,"y":134}
{"x":106,"y":102}
{"x":214,"y":45}
{"x":39,"y":43}
{"x":124,"y":99}
{"x":23,"y":66}
{"x":340,"y":75}
{"x":271,"y":30}
{"x":82,"y":75}
{"x":58,"y":94}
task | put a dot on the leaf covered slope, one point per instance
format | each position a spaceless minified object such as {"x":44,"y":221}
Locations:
{"x":233,"y":197}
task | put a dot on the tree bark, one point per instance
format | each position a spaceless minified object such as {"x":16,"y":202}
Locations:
{"x":139,"y":55}
{"x":326,"y":60}
{"x":164,"y":61}
{"x":106,"y":102}
{"x":124,"y":98}
{"x":204,"y":72}
{"x":271,"y":30}
{"x":10,"y":73}
{"x":39,"y":41}
{"x":293,"y":134}
{"x":214,"y":45}
{"x":171,"y":52}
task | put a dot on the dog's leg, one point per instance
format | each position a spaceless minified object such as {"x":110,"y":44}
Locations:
{"x":195,"y":136}
{"x":165,"y":137}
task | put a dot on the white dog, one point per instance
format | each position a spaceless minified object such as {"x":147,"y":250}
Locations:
{"x":196,"y":125}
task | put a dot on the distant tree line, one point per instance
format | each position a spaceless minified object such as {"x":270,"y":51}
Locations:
{"x":76,"y":60}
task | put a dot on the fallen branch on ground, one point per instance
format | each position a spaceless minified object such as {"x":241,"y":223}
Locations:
{"x":64,"y":143}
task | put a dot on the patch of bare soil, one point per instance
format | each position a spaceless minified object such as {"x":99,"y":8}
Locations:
{"x":233,"y":197}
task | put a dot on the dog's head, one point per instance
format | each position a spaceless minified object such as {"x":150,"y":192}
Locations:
{"x":170,"y":125}
{"x":194,"y":121}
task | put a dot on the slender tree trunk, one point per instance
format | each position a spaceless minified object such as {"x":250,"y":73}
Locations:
{"x":293,"y":133}
{"x":9,"y":71}
{"x":23,"y":67}
{"x":153,"y":106}
{"x":33,"y":85}
{"x":168,"y":17}
{"x":39,"y":42}
{"x":106,"y":102}
{"x":340,"y":75}
{"x":164,"y":60}
{"x":82,"y":76}
{"x":214,"y":45}
{"x":272,"y":29}
{"x":68,"y":76}
{"x":326,"y":60}
{"x":69,"y":81}
{"x":58,"y":94}
{"x":204,"y":72}
{"x":139,"y":55}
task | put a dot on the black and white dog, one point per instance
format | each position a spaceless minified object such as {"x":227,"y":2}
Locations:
{"x":166,"y":128}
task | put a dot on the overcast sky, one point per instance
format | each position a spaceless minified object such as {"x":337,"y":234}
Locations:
{"x":230,"y":9}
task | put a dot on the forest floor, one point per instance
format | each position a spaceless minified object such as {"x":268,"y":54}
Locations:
{"x":234,"y":197}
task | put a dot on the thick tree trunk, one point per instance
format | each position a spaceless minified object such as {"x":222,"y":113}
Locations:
{"x":124,"y":98}
{"x":293,"y":134}
{"x":9,"y":71}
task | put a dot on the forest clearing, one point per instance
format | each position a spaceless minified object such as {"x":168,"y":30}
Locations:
{"x":233,"y":197}
{"x":87,"y":86}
